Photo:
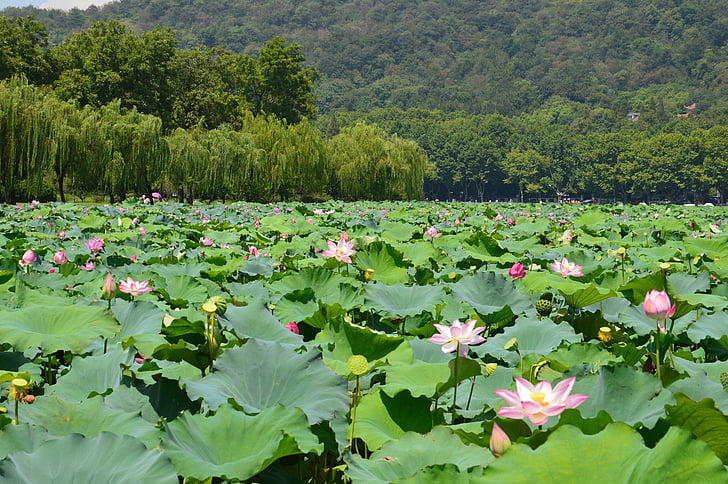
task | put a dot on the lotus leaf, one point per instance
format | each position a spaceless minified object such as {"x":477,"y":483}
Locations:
{"x":282,"y":376}
{"x":76,"y":459}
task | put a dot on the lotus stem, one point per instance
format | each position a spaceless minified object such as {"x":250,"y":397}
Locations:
{"x":657,"y":354}
{"x":355,"y":401}
{"x":455,"y":388}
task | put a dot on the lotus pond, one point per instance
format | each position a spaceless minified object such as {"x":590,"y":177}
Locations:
{"x":364,"y":343}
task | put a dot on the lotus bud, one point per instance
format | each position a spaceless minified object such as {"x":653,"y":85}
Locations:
{"x":293,"y":328}
{"x":499,"y":441}
{"x":108,"y":290}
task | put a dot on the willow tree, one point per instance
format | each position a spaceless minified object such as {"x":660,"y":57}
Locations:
{"x":139,"y":151}
{"x":25,"y":150}
{"x":368,"y":164}
{"x":187,"y":154}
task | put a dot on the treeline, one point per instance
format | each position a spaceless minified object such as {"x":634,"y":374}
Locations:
{"x":477,"y":56}
{"x":51,"y":147}
{"x":184,"y":88}
{"x":556,"y":153}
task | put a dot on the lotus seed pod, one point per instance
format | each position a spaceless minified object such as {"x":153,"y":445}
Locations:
{"x":605,"y":334}
{"x":358,"y":365}
{"x":220,"y":303}
{"x":544,"y":307}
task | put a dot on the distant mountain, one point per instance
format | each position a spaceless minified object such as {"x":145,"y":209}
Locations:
{"x":476,"y":56}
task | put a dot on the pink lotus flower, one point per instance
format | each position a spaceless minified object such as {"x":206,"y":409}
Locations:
{"x":156,"y":195}
{"x":134,"y":288}
{"x":432,"y":232}
{"x":206,"y":241}
{"x":292,"y":327}
{"x":253,"y":250}
{"x":95,"y":245}
{"x":88,"y":266}
{"x":457,"y":337}
{"x":499,"y":441}
{"x":540,"y":402}
{"x":60,"y":257}
{"x":657,"y":305}
{"x":28,"y":258}
{"x":61,"y":234}
{"x":342,"y":251}
{"x":517,"y":271}
{"x":566,"y":268}
{"x":142,"y":231}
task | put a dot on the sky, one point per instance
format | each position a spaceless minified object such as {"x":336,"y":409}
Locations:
{"x":59,"y":4}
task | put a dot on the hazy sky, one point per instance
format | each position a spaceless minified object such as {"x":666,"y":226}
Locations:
{"x":59,"y":4}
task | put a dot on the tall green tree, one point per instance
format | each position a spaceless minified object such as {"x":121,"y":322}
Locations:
{"x":108,"y":62}
{"x":22,"y":49}
{"x":277,"y":82}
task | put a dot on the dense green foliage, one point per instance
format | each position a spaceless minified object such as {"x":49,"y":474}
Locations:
{"x":503,"y":56}
{"x":552,"y":154}
{"x":509,"y":100}
{"x":49,"y":146}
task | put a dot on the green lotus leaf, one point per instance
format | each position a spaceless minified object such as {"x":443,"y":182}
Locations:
{"x":169,"y":271}
{"x":677,"y":457}
{"x":712,"y":247}
{"x":412,"y":452}
{"x":700,"y":386}
{"x":256,"y":321}
{"x":398,"y":300}
{"x":420,"y":252}
{"x":584,"y":296}
{"x":91,"y":221}
{"x":592,"y":219}
{"x":259,"y":266}
{"x":385,"y":261}
{"x":88,"y":418}
{"x":683,"y":283}
{"x":21,"y":438}
{"x":380,"y":418}
{"x":234,"y":446}
{"x":318,"y":279}
{"x":186,"y":288}
{"x":492,"y":295}
{"x":419,"y":377}
{"x":590,"y":353}
{"x":483,"y":247}
{"x":97,"y":374}
{"x":348,"y":340}
{"x":628,"y":395}
{"x":708,"y":326}
{"x":705,"y":422}
{"x":76,"y":459}
{"x":61,"y":326}
{"x":442,"y":473}
{"x":345,"y":295}
{"x":396,"y":231}
{"x":281,"y":376}
{"x":296,"y":306}
{"x":533,"y":336}
{"x":141,"y":323}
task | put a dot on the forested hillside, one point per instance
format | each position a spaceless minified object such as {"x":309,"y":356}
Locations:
{"x":478,"y":56}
